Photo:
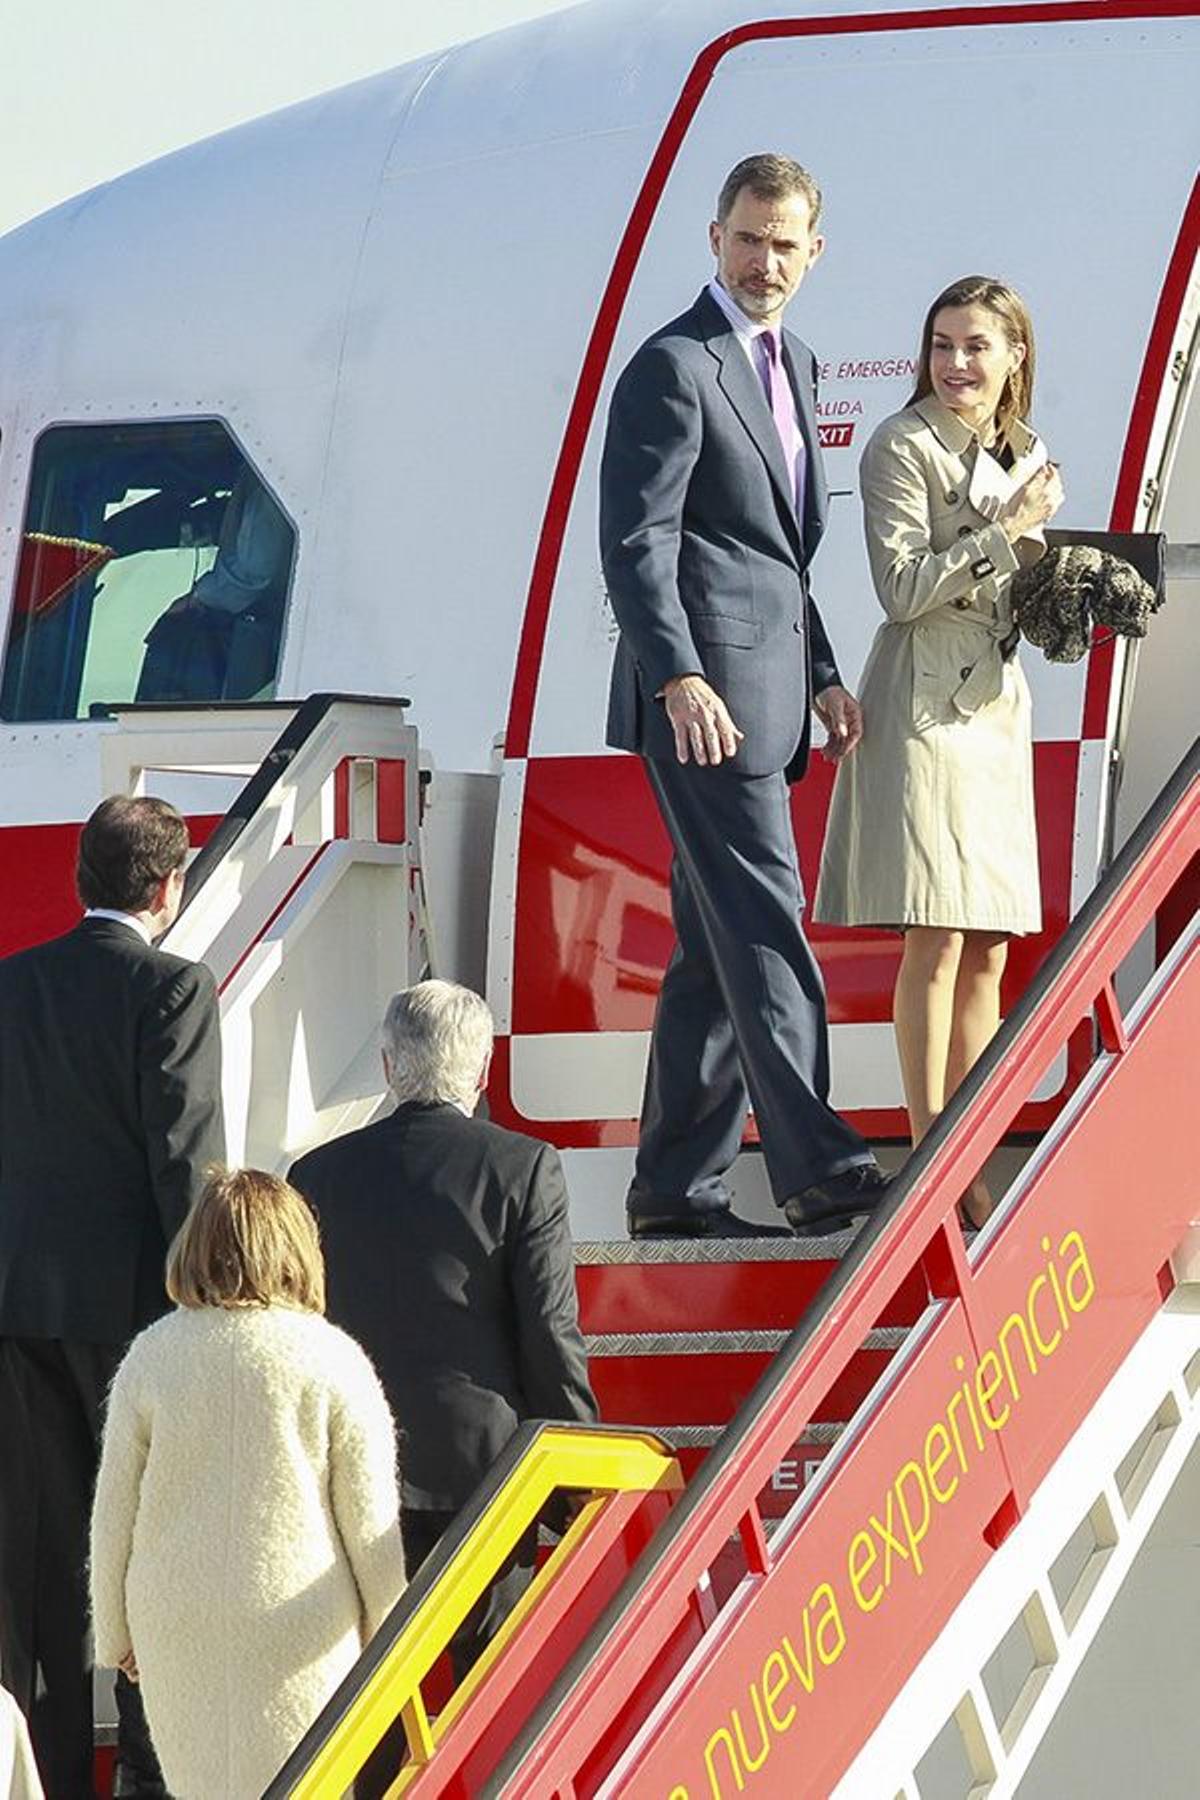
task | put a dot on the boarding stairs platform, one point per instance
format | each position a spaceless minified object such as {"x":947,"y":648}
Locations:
{"x":991,"y":1426}
{"x":307,"y":899}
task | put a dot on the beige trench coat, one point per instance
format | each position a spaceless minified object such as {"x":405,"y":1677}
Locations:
{"x":932,"y":820}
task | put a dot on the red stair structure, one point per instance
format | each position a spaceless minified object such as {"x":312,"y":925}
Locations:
{"x":779,"y":1672}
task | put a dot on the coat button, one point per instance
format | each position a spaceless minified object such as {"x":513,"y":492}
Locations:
{"x":961,"y":605}
{"x":796,"y":625}
{"x":964,"y":531}
{"x":952,"y":498}
{"x":963,"y":673}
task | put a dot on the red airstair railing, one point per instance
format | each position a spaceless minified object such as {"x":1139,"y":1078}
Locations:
{"x":622,"y":1695}
{"x":656,"y":1690}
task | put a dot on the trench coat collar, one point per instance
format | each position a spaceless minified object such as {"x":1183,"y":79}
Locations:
{"x":957,"y":437}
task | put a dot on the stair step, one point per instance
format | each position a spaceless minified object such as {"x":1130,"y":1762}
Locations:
{"x":604,"y":1251}
{"x":682,"y":1328}
{"x":703,"y":1437}
{"x":704,"y":1343}
{"x":635,"y":1389}
{"x":717,"y":1285}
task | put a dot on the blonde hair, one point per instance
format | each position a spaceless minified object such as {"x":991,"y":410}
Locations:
{"x":996,"y":297}
{"x":249,"y":1240}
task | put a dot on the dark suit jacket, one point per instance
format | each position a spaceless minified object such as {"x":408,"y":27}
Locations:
{"x":448,"y":1256}
{"x":110,"y":1110}
{"x":705,"y":561}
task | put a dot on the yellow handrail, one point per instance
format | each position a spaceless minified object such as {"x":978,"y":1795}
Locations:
{"x":598,"y":1462}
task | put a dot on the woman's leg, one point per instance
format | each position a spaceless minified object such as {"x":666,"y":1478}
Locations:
{"x":923,"y":1014}
{"x":975,"y":1022}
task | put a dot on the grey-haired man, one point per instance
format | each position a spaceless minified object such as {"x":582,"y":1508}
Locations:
{"x":448,"y":1256}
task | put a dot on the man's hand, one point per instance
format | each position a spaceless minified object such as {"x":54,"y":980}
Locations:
{"x":704,"y":731}
{"x":128,"y":1666}
{"x":842,"y":717}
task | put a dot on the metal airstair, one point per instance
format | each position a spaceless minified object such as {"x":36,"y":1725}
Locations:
{"x":978,"y":1436}
{"x":905,"y":1518}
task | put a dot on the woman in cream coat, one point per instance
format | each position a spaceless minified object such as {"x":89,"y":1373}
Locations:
{"x":18,"y":1771}
{"x":245,"y":1534}
{"x":932,"y":828}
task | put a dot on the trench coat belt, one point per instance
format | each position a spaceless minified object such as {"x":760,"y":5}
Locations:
{"x":971,"y":678}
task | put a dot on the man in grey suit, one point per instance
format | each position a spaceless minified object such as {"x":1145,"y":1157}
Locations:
{"x":712,"y":504}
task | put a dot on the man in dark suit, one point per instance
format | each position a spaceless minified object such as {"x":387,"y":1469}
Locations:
{"x":448,"y":1256}
{"x":712,"y":504}
{"x":110,"y":1109}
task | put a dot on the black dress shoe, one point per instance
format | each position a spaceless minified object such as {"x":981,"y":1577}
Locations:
{"x":729,"y":1225}
{"x":833,"y":1204}
{"x":721,"y":1224}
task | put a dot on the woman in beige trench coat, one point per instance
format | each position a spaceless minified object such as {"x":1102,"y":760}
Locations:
{"x":932,"y":829}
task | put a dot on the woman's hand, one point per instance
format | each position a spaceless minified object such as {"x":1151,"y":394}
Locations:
{"x":1034,"y":503}
{"x":128,"y":1665}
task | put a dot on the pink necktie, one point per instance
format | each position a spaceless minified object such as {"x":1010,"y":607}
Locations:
{"x":783,"y":411}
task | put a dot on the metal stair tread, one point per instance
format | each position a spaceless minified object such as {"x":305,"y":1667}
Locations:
{"x":703,"y":1437}
{"x":601,"y":1252}
{"x":704,"y":1343}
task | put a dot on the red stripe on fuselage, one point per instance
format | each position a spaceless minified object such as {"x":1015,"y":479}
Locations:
{"x":38,"y":862}
{"x":1127,"y":494}
{"x":593,"y":912}
{"x":593,"y":922}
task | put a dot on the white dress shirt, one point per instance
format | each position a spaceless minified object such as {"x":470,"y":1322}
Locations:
{"x":750,"y":333}
{"x":122,"y":918}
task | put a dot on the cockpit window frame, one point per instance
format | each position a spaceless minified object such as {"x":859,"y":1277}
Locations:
{"x":240,"y":608}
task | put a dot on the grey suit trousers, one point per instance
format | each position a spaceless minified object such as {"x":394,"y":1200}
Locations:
{"x":741,"y":1012}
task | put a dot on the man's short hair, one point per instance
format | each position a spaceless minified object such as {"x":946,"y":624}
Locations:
{"x":437,"y":1037}
{"x":769,"y":177}
{"x":128,"y":846}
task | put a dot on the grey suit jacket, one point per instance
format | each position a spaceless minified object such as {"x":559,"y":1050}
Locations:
{"x":705,"y":561}
{"x":448,"y":1256}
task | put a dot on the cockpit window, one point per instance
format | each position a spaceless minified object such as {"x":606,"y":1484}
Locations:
{"x":155,"y":565}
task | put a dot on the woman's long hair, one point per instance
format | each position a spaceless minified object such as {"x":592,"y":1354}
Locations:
{"x":1016,"y":399}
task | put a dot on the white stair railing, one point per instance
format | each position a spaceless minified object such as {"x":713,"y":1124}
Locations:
{"x":310,"y":912}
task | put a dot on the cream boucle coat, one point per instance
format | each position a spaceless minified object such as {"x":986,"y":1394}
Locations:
{"x":18,"y":1771}
{"x":245,"y":1535}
